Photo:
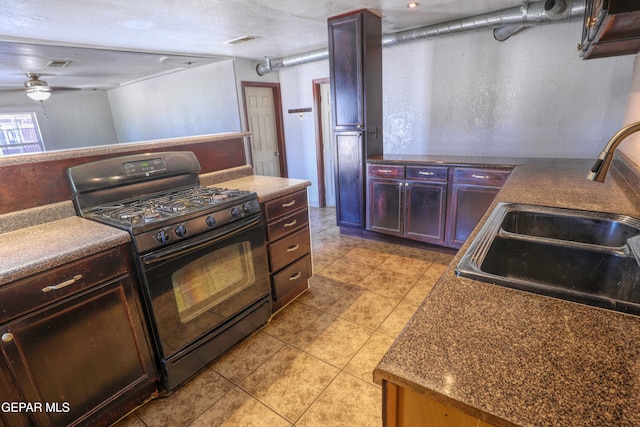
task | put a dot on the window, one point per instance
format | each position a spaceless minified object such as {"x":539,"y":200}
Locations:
{"x":19,"y":133}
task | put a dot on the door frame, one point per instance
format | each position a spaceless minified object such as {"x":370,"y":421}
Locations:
{"x":277,"y":101}
{"x":317,"y":102}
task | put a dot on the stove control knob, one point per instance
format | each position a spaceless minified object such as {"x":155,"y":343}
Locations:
{"x":181,"y":231}
{"x":162,"y":237}
{"x":246,"y":208}
{"x":235,"y":212}
{"x":211,"y":221}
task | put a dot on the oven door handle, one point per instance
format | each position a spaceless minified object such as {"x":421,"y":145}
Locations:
{"x":201,"y":242}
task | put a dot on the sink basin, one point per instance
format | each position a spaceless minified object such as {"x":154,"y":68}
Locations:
{"x":576,"y":226}
{"x":579,"y":256}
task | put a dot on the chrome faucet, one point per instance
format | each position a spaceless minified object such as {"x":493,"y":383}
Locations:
{"x":601,"y":166}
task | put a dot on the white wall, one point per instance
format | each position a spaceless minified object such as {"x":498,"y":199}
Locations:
{"x":529,"y":96}
{"x":631,"y":145}
{"x":166,"y":107}
{"x":471,"y":95}
{"x":67,"y":119}
{"x":300,"y":133}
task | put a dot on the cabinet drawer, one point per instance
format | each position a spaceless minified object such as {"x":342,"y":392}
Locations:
{"x":427,"y":173}
{"x":386,"y":171}
{"x":291,"y":277}
{"x":285,"y":205}
{"x":286,"y":225}
{"x":288,"y":249}
{"x":489,"y":177}
{"x":45,"y":288}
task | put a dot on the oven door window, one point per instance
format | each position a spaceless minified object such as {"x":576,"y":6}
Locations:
{"x":212,"y":279}
{"x":197,"y":288}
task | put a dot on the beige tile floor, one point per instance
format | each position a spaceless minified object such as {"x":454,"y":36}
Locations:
{"x":312,"y":364}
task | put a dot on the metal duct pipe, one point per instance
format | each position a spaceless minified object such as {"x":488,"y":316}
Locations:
{"x":506,"y":22}
{"x":551,"y":10}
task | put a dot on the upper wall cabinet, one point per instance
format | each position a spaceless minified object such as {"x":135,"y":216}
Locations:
{"x":611,"y":28}
{"x":355,"y":57}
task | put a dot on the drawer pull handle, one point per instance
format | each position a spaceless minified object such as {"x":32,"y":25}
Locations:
{"x":480,"y":176}
{"x":385,"y":170}
{"x":291,"y":203}
{"x":291,"y":224}
{"x":63,"y":284}
{"x":426,"y":173}
{"x":293,"y":248}
{"x":296,"y":276}
{"x":7,"y":337}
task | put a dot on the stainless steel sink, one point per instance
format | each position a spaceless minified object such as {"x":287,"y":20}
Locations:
{"x":579,"y":256}
{"x":577,"y":226}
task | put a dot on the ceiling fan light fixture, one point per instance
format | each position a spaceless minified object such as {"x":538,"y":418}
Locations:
{"x":39,"y":93}
{"x":37,"y":89}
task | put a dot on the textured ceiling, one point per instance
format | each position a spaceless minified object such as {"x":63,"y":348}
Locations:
{"x":192,"y":27}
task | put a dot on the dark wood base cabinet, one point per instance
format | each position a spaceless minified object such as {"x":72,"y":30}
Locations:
{"x":409,"y":203}
{"x":289,"y":247}
{"x":472,"y":191}
{"x":74,"y":345}
{"x":433,"y":204}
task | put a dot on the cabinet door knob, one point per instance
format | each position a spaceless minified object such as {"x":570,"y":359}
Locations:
{"x":7,"y":337}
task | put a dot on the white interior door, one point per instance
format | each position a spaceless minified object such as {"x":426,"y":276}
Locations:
{"x":327,"y":145}
{"x":261,"y":115}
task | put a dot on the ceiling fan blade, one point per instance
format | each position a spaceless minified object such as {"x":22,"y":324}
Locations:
{"x":63,"y":88}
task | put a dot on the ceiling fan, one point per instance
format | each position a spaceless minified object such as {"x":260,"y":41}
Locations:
{"x":37,"y":89}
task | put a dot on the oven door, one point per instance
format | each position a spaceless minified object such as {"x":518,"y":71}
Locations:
{"x":195,"y":286}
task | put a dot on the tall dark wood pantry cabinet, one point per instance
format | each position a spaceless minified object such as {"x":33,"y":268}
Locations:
{"x":355,"y":61}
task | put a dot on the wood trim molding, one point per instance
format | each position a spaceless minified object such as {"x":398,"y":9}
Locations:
{"x":322,"y":186}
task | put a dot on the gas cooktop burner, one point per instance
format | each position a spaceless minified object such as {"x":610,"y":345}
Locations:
{"x":172,"y":204}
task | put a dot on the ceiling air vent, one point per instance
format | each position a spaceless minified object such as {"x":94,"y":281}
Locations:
{"x":57,"y":64}
{"x":242,"y":39}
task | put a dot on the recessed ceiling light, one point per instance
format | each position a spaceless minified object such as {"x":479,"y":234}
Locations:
{"x":413,"y":5}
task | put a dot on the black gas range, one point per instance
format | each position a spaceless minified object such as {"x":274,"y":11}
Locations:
{"x":200,"y":253}
{"x":173,"y":215}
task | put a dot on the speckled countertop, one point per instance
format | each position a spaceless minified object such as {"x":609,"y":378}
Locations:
{"x":267,"y":187}
{"x":514,"y":358}
{"x":37,"y":248}
{"x":468,"y":161}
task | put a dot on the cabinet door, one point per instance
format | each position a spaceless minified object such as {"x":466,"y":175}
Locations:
{"x":385,"y":206}
{"x":426,"y":211}
{"x":468,"y":205}
{"x":345,"y":45}
{"x":8,"y":394}
{"x":350,"y":179}
{"x":78,"y":355}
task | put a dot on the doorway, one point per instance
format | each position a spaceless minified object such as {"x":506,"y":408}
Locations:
{"x":324,"y":143}
{"x":263,"y":115}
